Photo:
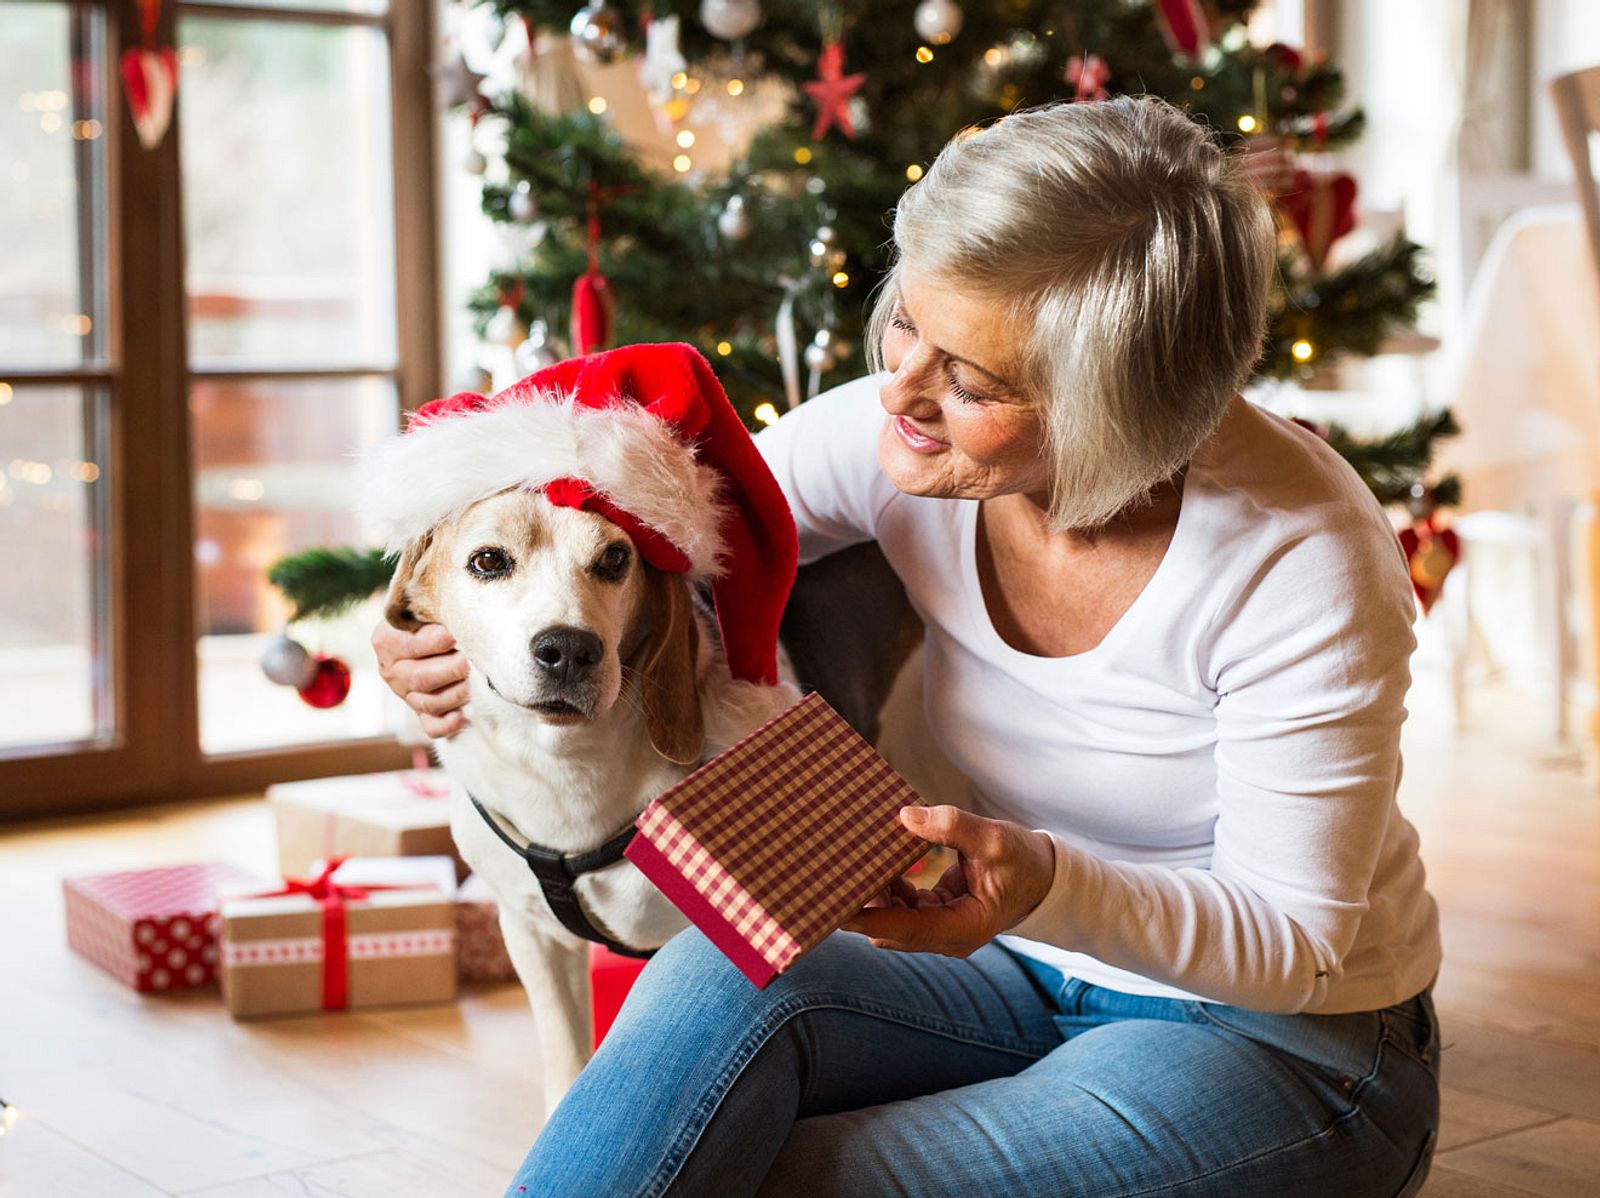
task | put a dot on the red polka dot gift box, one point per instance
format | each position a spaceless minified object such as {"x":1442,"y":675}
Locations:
{"x":151,"y":929}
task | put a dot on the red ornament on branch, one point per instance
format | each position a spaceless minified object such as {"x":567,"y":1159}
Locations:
{"x":1322,"y":209}
{"x":593,"y":308}
{"x":1088,"y":76}
{"x":1431,"y":553}
{"x":832,"y":90}
{"x":1183,"y":26}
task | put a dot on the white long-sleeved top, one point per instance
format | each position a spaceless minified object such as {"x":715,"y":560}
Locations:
{"x":1218,"y":775}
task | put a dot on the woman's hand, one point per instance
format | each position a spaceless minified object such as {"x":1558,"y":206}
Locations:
{"x":1002,"y":872}
{"x":426,"y":670}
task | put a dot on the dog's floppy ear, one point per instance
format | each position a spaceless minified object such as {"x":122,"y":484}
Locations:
{"x":409,"y":605}
{"x":668,"y":686}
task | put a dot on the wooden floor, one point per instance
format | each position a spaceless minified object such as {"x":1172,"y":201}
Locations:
{"x":127,"y":1097}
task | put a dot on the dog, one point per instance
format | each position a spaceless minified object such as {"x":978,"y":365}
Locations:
{"x":596,"y":682}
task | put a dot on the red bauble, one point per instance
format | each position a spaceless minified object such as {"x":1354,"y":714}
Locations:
{"x":1183,"y":26}
{"x":593,"y":313}
{"x":330,"y":685}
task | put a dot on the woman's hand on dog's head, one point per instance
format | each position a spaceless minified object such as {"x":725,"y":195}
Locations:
{"x":426,"y":670}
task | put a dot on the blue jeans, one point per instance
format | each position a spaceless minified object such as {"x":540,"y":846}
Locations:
{"x":865,"y":1071}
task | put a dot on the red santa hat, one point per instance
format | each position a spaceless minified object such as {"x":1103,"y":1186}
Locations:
{"x":642,"y":435}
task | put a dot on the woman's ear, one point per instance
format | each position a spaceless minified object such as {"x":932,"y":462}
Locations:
{"x":669,"y":689}
{"x":410,"y":605}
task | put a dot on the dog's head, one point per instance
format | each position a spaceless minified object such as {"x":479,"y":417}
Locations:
{"x":558,"y":613}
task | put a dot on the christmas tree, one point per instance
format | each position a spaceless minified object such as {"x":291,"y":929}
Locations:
{"x":768,"y":268}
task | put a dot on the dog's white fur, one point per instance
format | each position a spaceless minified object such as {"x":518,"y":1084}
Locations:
{"x":440,"y":467}
{"x":565,"y":782}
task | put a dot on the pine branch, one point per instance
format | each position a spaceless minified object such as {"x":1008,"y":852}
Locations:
{"x":328,"y":582}
{"x":1392,"y":465}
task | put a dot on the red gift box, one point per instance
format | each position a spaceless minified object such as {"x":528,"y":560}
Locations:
{"x":151,"y":929}
{"x":772,"y":845}
{"x":611,"y":976}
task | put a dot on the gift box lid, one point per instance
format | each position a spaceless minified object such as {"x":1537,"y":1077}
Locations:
{"x":773,"y":844}
{"x":163,"y":891}
{"x":399,"y":881}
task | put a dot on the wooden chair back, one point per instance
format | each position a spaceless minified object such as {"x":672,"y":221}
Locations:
{"x":1577,"y":101}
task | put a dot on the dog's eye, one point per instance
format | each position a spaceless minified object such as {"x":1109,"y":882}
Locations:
{"x":489,"y":563}
{"x":613,"y":562}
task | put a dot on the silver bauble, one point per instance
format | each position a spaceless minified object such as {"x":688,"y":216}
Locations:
{"x":521,"y":204}
{"x":730,"y":19}
{"x":475,"y":163}
{"x":733,"y":222}
{"x":819,"y":357}
{"x":938,"y":21}
{"x":287,"y":662}
{"x":535,"y":353}
{"x":597,"y":33}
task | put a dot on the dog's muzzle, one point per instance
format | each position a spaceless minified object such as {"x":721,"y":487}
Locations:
{"x":565,"y":661}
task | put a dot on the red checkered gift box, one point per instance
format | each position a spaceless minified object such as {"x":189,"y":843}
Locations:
{"x":151,"y":928}
{"x":772,"y":845}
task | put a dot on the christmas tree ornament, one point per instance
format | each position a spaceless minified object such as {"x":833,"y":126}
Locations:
{"x":521,"y":204}
{"x":733,"y":222}
{"x":1267,"y":162}
{"x":663,"y":60}
{"x":474,"y":163}
{"x":536,"y":352}
{"x":1088,"y":76}
{"x":937,"y":21}
{"x":819,"y":354}
{"x":329,"y":685}
{"x":458,"y":83}
{"x":1431,"y":553}
{"x":730,"y":19}
{"x":1322,"y":209}
{"x":150,"y":78}
{"x":1183,"y":26}
{"x":824,"y":249}
{"x":831,"y":92}
{"x":597,"y":33}
{"x":593,"y":306}
{"x":1024,"y":51}
{"x":286,"y":662}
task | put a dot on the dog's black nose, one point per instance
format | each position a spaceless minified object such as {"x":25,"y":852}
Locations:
{"x":567,"y":654}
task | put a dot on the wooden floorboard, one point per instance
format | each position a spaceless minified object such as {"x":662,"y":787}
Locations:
{"x":128,"y":1096}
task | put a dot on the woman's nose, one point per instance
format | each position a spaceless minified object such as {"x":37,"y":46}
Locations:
{"x":905,"y":392}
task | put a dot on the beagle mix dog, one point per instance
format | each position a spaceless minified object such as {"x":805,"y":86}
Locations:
{"x":596,"y":683}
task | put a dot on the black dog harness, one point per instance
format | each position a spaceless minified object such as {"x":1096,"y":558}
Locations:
{"x":558,"y":874}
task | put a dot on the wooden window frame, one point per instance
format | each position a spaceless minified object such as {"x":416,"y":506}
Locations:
{"x":154,"y":753}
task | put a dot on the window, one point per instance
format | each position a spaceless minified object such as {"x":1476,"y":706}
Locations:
{"x":196,"y":339}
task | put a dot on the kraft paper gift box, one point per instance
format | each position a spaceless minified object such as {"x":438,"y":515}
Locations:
{"x":328,"y":943}
{"x":401,"y":813}
{"x":151,"y":928}
{"x":480,"y":948}
{"x":772,"y":845}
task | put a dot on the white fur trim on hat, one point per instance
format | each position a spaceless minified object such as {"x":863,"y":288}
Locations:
{"x":413,"y":482}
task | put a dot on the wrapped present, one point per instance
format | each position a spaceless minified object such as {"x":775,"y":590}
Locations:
{"x":151,"y":928}
{"x":401,"y":813}
{"x":772,"y":845}
{"x":327,"y":943}
{"x":480,"y":948}
{"x":611,"y":976}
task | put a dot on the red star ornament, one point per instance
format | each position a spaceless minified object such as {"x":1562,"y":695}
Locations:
{"x":832,"y":90}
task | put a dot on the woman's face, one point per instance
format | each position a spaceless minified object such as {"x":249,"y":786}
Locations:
{"x":957,"y":428}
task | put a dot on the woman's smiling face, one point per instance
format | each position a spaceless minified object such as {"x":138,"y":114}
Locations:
{"x":958,"y":428}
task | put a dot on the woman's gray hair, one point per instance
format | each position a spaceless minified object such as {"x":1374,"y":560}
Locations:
{"x":1137,"y":256}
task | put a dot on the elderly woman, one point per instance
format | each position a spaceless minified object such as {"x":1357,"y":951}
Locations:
{"x":1187,"y":949}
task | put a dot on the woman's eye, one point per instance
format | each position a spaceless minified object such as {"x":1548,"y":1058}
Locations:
{"x":900,"y":322}
{"x":613,"y":561}
{"x":963,"y":394}
{"x":489,"y":563}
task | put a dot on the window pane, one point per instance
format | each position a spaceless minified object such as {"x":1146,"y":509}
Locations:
{"x":51,"y":133}
{"x":53,"y":652}
{"x":274,"y":475}
{"x":288,"y":201}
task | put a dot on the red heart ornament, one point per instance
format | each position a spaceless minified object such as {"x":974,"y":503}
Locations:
{"x":150,"y":80}
{"x":1431,"y":553}
{"x":1322,"y":209}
